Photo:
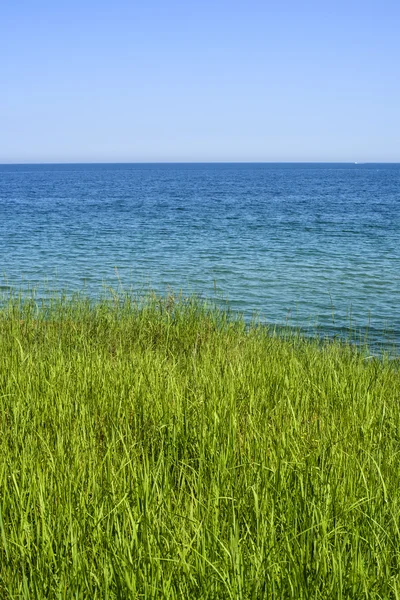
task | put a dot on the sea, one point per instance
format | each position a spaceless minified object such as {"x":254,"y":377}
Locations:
{"x":311,"y":246}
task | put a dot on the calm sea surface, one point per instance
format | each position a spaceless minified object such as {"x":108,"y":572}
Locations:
{"x":295,"y":243}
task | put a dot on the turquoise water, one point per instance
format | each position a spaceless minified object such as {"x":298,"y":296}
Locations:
{"x":295,"y":243}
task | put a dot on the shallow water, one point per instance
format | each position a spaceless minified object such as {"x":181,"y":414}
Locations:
{"x":303,"y":244}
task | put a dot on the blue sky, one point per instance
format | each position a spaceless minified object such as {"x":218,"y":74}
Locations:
{"x":199,"y":81}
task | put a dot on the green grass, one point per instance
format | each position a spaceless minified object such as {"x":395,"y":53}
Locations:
{"x":165,"y":450}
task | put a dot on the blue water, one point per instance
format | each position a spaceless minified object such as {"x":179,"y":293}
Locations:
{"x":302,"y":244}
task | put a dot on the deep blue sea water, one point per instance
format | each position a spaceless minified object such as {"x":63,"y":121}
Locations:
{"x":296,"y":243}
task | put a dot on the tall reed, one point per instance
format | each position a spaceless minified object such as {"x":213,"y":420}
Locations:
{"x":164,"y":449}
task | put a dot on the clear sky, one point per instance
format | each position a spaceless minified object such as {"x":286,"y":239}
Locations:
{"x":205,"y":80}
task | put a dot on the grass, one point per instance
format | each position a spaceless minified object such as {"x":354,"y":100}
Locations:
{"x":161,"y":449}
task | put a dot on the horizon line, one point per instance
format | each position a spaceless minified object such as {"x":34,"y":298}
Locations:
{"x":201,"y":162}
